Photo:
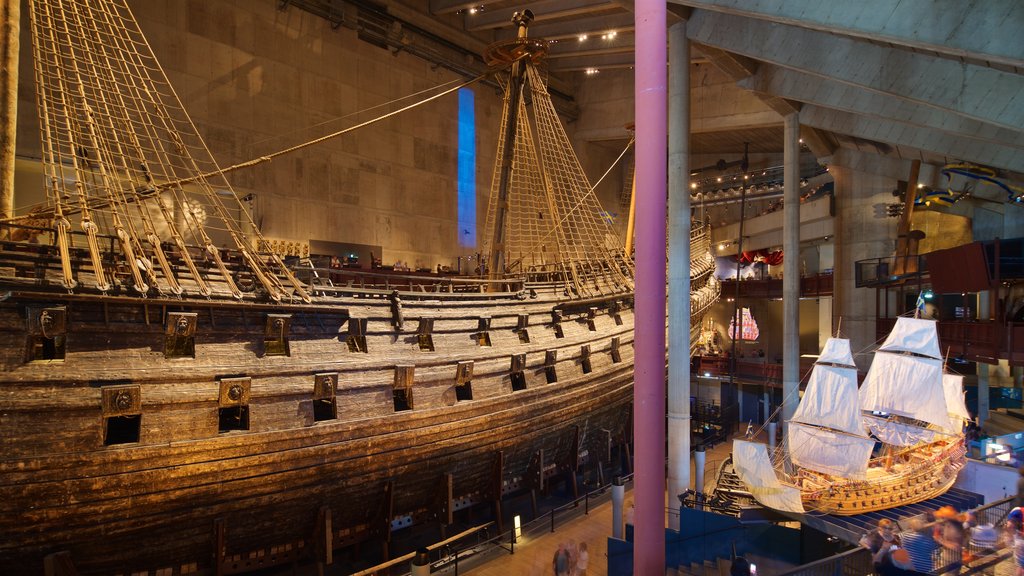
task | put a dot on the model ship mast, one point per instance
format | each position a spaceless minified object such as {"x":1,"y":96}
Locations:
{"x":826,"y":433}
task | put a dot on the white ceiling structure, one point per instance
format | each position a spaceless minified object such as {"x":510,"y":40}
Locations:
{"x":937,"y":80}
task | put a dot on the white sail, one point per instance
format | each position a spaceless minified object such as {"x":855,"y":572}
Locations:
{"x":837,"y":351}
{"x":913,"y":335}
{"x":898,"y":433}
{"x":830,"y":452}
{"x":952,"y":386}
{"x":908,"y":386}
{"x":752,"y":465}
{"x":830,"y":400}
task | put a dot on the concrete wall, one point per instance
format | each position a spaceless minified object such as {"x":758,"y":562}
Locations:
{"x":257,"y":79}
{"x":862,"y":232}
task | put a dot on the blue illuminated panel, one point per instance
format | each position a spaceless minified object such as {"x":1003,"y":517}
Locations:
{"x":467,"y":169}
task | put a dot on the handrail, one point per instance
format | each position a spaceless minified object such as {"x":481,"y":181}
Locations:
{"x":948,"y":561}
{"x":431,"y":547}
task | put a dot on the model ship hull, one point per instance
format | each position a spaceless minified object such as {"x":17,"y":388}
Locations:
{"x":927,"y":472}
{"x":828,"y":442}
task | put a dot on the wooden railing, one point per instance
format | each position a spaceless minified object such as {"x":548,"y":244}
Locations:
{"x":810,"y":287}
{"x":748,"y":371}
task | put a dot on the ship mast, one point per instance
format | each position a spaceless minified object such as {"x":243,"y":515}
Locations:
{"x":10,"y":13}
{"x":496,"y":261}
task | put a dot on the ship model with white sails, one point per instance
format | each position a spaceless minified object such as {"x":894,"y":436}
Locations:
{"x":897,"y":440}
{"x":176,"y":398}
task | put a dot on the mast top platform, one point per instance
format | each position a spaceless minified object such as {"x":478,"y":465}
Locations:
{"x":506,"y":52}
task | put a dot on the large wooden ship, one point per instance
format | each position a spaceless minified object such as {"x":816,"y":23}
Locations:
{"x":174,"y":398}
{"x":907,"y":407}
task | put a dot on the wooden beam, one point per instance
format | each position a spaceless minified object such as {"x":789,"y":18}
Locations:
{"x":382,"y":523}
{"x":445,"y":514}
{"x":219,"y":544}
{"x":497,"y":472}
{"x":534,"y":478}
{"x":59,"y":564}
{"x":906,"y":240}
{"x":324,"y":537}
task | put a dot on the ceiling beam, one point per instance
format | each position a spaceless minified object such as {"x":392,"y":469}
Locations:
{"x":796,"y":85}
{"x":571,"y":29}
{"x":733,"y":65}
{"x":454,"y":6}
{"x":978,"y":30}
{"x":819,"y":142}
{"x":545,"y":10}
{"x":595,"y":52}
{"x":596,"y":62}
{"x":910,"y":136}
{"x":592,"y":45}
{"x":984,"y":94}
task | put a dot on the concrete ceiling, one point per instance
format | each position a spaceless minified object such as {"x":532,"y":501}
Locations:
{"x":939,"y":81}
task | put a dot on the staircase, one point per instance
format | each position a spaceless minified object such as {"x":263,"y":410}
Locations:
{"x":719,"y":567}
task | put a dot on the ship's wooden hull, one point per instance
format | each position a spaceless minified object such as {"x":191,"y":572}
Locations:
{"x":499,"y":390}
{"x":928,"y":472}
{"x":160,"y":501}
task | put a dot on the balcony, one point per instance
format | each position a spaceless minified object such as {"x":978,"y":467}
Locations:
{"x":749,"y":371}
{"x":810,"y":287}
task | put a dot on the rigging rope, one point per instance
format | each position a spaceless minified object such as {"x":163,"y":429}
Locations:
{"x":269,"y":157}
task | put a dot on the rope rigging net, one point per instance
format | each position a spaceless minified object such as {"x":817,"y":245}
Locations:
{"x":554,"y":221}
{"x":135,"y":195}
{"x":113,"y":132}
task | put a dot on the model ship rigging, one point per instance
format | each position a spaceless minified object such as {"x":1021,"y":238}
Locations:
{"x":171,"y":387}
{"x":906,"y":404}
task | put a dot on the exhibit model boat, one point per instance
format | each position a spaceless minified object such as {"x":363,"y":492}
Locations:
{"x":171,"y":404}
{"x":898,"y":440}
